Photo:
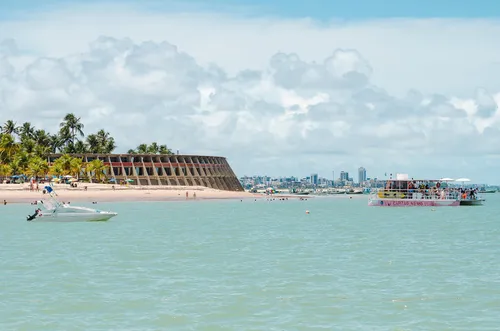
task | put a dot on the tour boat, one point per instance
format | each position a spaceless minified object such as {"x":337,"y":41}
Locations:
{"x":404,"y":192}
{"x":52,"y":210}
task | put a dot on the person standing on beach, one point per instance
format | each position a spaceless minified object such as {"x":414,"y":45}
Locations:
{"x":187,"y":194}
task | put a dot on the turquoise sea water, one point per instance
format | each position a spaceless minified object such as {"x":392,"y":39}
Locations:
{"x":231,"y":265}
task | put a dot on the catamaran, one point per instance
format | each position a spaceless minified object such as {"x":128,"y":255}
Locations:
{"x":52,"y":210}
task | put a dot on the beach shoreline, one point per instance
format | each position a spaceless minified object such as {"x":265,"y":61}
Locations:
{"x":21,"y":193}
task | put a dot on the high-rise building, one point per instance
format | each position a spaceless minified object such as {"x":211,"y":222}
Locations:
{"x":344,"y":176}
{"x":361,"y":175}
{"x":314,"y":179}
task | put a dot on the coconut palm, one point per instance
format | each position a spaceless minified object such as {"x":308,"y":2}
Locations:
{"x":142,"y":149}
{"x":10,"y":127}
{"x":93,"y":144}
{"x":71,"y":126}
{"x":153,"y":148}
{"x":65,"y":162}
{"x":76,"y":165}
{"x":5,"y":170}
{"x":164,"y":150}
{"x":38,"y":167}
{"x":41,"y":137}
{"x":56,"y":169}
{"x":26,"y":131}
{"x":97,"y":169}
{"x":8,"y":147}
{"x":22,"y":158}
{"x":81,"y":147}
{"x":56,"y":143}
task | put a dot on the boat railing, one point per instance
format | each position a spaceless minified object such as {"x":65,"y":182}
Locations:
{"x":418,"y":193}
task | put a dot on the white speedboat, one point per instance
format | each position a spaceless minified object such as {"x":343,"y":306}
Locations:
{"x":52,"y":210}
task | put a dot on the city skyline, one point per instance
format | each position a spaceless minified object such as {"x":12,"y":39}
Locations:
{"x":298,"y":88}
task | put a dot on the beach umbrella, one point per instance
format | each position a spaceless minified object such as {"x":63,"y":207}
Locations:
{"x":446,"y":179}
{"x":462,"y":180}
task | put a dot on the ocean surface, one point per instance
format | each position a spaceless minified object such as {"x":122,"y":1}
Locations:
{"x":254,"y":265}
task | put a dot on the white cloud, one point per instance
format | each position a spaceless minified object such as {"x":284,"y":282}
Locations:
{"x":274,"y":95}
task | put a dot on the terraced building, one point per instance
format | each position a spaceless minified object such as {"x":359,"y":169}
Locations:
{"x":150,"y":169}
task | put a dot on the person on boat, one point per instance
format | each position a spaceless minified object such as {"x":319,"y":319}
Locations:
{"x":32,"y":217}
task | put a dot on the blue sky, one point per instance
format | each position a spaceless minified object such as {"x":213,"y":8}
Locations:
{"x":318,"y":9}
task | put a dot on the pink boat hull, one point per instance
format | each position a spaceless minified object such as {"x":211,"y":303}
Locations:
{"x":413,"y":203}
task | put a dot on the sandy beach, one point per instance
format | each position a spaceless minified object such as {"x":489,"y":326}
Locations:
{"x":20,"y":193}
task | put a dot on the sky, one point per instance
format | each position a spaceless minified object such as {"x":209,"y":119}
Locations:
{"x":280,"y":88}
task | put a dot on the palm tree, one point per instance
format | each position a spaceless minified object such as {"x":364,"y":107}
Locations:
{"x":81,"y":147}
{"x":110,"y":146}
{"x":38,"y":167}
{"x":5,"y":170}
{"x":56,"y":169}
{"x":93,"y":143}
{"x":55,"y":143}
{"x":42,"y":151}
{"x":26,"y":131}
{"x":14,"y":167}
{"x":97,"y":169}
{"x":106,"y":142}
{"x":165,"y":150}
{"x":22,"y":158}
{"x":8,"y":148}
{"x":153,"y":148}
{"x":29,"y":146}
{"x":76,"y":166}
{"x":142,"y":149}
{"x":41,"y":137}
{"x":10,"y":127}
{"x":65,"y":163}
{"x":72,"y":125}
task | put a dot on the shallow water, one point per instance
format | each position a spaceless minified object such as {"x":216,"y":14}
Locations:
{"x":231,"y":265}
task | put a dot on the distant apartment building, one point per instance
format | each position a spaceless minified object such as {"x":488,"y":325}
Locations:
{"x":314,"y":179}
{"x":344,"y":176}
{"x":361,"y":175}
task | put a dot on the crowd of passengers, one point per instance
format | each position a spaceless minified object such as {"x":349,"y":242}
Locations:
{"x":429,"y":190}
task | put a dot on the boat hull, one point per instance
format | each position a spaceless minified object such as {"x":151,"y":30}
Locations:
{"x":413,"y":202}
{"x":77,"y":217}
{"x":477,"y":202}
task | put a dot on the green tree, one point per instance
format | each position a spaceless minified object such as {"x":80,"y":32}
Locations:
{"x":10,"y":127}
{"x":37,"y":167}
{"x":97,"y":168}
{"x":8,"y":147}
{"x":71,"y":126}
